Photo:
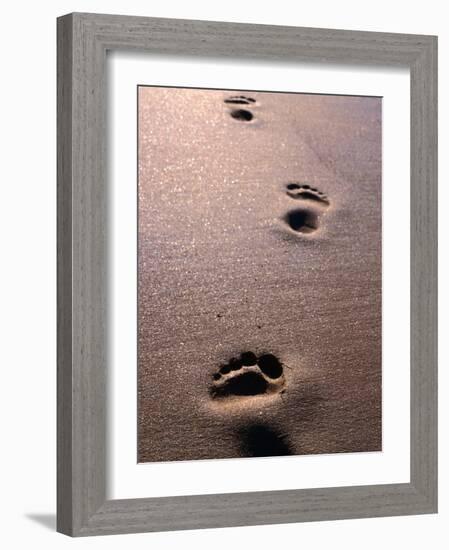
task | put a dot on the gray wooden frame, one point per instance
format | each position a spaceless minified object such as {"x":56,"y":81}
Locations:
{"x":83,"y":40}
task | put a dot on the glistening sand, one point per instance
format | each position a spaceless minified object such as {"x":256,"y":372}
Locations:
{"x":222,"y":272}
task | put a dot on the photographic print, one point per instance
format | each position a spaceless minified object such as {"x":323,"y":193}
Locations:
{"x":259,"y":274}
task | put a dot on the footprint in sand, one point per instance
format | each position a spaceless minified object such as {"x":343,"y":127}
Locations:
{"x":244,"y":115}
{"x":249,"y":375}
{"x":305,"y":219}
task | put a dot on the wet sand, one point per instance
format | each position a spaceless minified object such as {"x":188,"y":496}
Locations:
{"x":258,"y":233}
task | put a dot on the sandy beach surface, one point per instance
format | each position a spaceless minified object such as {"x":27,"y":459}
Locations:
{"x":259,"y":234}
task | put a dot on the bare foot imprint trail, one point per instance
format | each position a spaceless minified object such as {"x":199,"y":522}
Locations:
{"x":249,"y":375}
{"x":259,"y":274}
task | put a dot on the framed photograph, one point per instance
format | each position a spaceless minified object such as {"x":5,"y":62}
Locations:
{"x":247,"y":248}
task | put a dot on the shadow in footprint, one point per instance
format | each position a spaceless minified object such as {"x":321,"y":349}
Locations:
{"x":242,"y":114}
{"x":262,"y":440}
{"x":248,"y":383}
{"x":248,"y":375}
{"x":302,"y":220}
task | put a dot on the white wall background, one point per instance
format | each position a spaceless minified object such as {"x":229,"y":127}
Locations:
{"x":27,"y":289}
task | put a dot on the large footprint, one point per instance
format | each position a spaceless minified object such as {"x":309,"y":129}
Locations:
{"x":305,"y":219}
{"x":249,"y":375}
